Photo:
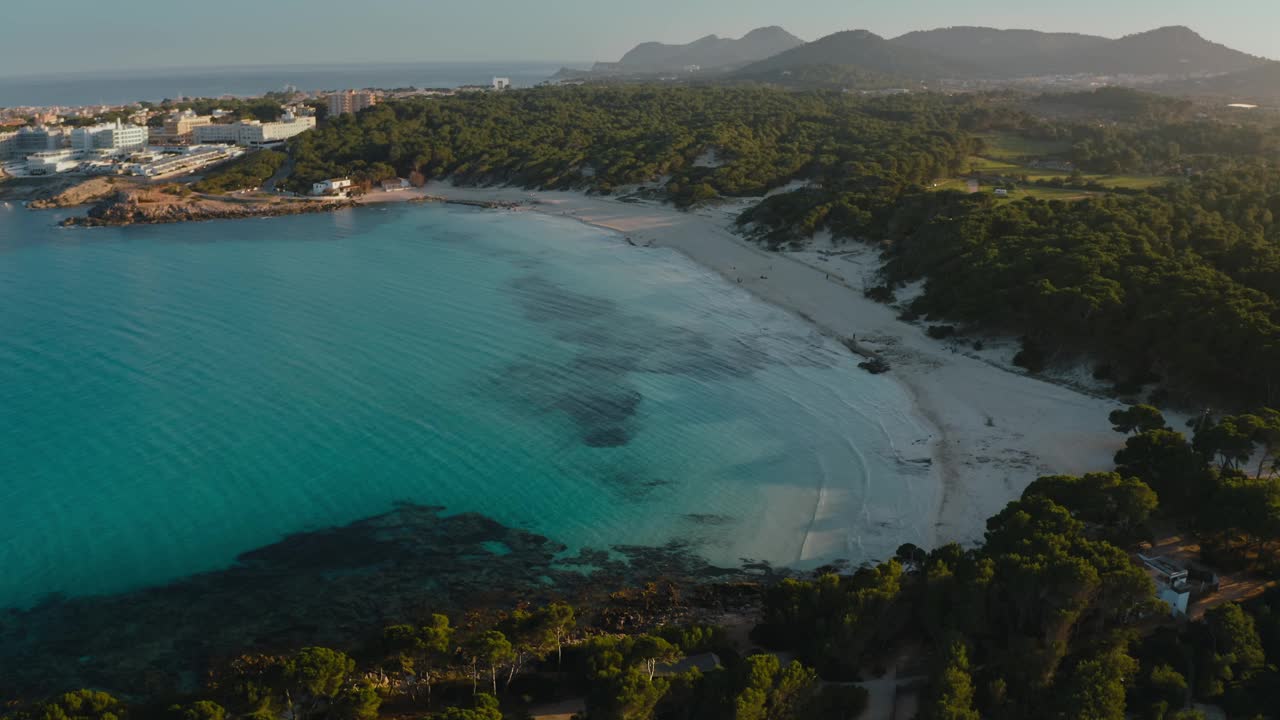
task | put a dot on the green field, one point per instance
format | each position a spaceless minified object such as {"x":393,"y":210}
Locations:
{"x":959,"y":184}
{"x":1014,"y":148}
{"x":1136,"y":182}
{"x":1044,"y":193}
{"x":1009,"y":155}
{"x":979,"y":163}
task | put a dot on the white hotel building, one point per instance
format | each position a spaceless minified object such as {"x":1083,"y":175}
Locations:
{"x":109,"y":136}
{"x":252,"y":132}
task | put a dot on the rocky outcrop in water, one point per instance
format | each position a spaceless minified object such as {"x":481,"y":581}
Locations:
{"x":486,"y":204}
{"x":133,"y":208}
{"x":81,"y":193}
{"x":330,"y":587}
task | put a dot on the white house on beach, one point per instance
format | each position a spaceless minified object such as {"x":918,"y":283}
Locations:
{"x":332,"y":186}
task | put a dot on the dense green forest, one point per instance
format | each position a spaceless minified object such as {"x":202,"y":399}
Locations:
{"x":1181,"y":282}
{"x":1047,"y":618}
{"x":702,"y":142}
{"x":1178,"y":282}
{"x":1115,"y":130}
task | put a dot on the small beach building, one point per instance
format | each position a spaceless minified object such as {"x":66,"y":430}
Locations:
{"x":1171,"y":583}
{"x":395,"y":185}
{"x":332,"y":186}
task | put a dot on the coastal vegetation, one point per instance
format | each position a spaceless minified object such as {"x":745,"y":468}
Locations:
{"x":695,"y":143}
{"x":1162,"y":264}
{"x":1149,"y":240}
{"x":1172,"y":280}
{"x":1178,"y":283}
{"x":1048,"y":617}
{"x":1167,"y":276}
{"x":247,"y":171}
{"x":266,"y":108}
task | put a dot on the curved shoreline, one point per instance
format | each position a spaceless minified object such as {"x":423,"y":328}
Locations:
{"x":992,"y":430}
{"x":996,"y":430}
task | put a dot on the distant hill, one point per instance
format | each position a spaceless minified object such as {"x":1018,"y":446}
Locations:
{"x":999,"y":50}
{"x":861,"y":50}
{"x":709,"y":53}
{"x":1169,"y":50}
{"x":1176,"y":51}
{"x":1260,"y":84}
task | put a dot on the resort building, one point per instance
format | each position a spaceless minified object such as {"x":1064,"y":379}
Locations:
{"x":351,"y":101}
{"x":50,"y":162}
{"x":109,"y":136}
{"x":190,"y":160}
{"x":220,"y":133}
{"x":332,"y":186}
{"x":252,"y":133}
{"x":501,"y":83}
{"x":39,"y":139}
{"x":178,"y":127}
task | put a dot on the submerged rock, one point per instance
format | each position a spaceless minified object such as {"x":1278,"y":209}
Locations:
{"x":875,"y":366}
{"x":328,"y":587}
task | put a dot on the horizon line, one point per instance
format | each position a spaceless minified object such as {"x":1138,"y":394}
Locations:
{"x":574,"y":63}
{"x":168,"y":69}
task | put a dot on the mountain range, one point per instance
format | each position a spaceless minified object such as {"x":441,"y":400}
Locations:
{"x":955,"y":53}
{"x":710,"y":52}
{"x":858,"y":49}
{"x":987,"y":52}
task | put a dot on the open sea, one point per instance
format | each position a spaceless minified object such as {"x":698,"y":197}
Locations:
{"x":121,"y":87}
{"x":172,"y":396}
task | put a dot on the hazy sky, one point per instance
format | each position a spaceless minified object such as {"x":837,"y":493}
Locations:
{"x":72,"y":35}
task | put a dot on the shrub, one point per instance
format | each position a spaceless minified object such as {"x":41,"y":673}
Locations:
{"x":1030,"y":357}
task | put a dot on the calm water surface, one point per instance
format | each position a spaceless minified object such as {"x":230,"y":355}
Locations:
{"x":172,"y":396}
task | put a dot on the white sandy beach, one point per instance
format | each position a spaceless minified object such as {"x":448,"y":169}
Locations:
{"x":994,"y":429}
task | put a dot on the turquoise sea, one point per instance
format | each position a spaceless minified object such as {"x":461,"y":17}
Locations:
{"x":172,"y":396}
